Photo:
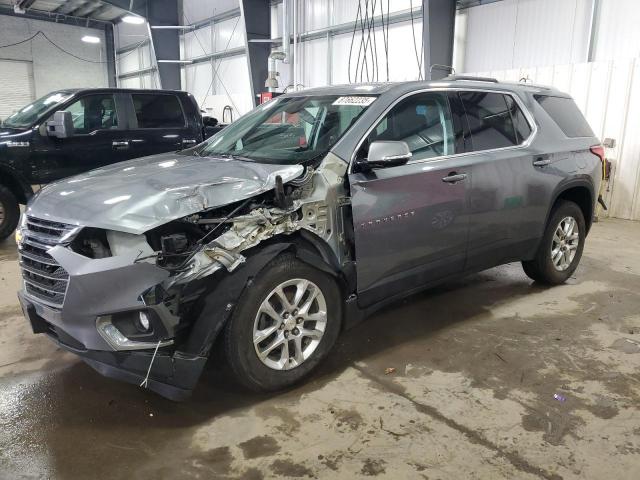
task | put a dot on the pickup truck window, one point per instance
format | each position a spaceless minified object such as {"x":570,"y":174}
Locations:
{"x":93,"y":112}
{"x":289,"y":130}
{"x":423,"y":121}
{"x":29,"y":114}
{"x":158,"y":111}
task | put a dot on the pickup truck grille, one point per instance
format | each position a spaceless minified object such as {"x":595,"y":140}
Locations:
{"x":43,"y":277}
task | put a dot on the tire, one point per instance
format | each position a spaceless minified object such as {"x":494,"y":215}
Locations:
{"x":9,"y":212}
{"x":542,"y":268}
{"x":242,"y":354}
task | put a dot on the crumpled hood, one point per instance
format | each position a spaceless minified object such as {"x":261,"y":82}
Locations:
{"x":141,"y":194}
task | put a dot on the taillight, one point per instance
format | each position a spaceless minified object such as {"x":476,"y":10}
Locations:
{"x":598,"y":151}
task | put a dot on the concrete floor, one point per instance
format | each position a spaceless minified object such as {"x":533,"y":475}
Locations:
{"x":477,"y":364}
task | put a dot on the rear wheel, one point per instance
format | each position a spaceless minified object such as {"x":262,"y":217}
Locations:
{"x":561,"y":247}
{"x":284,"y":325}
{"x":9,"y":212}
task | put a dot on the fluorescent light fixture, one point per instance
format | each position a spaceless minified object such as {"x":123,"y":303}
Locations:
{"x":133,"y":19}
{"x":175,"y":61}
{"x":90,"y":39}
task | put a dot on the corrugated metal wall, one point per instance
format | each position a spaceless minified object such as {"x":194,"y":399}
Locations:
{"x":618,"y":30}
{"x":608,"y":93}
{"x":519,"y":33}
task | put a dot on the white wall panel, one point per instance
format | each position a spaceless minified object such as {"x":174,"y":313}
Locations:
{"x":197,"y":10}
{"x":197,"y":80}
{"x":314,"y":14}
{"x":231,"y":87}
{"x":230,"y":32}
{"x":617,"y":32}
{"x":129,"y":61}
{"x":16,"y":78}
{"x":525,"y":33}
{"x":313,"y":55}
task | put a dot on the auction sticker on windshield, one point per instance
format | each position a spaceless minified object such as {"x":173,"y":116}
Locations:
{"x":358,"y":101}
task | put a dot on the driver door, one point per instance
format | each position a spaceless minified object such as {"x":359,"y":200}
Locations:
{"x":98,"y":128}
{"x":411,"y":221}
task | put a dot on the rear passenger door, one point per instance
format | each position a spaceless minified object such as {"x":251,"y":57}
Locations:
{"x":411,"y":221}
{"x":505,"y":202}
{"x":158,"y":125}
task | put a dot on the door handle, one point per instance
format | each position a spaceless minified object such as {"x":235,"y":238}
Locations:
{"x":541,"y":162}
{"x":120,"y":144}
{"x":454,"y":177}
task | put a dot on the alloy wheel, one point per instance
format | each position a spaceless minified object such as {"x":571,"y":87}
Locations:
{"x":565,"y":243}
{"x":290,"y":324}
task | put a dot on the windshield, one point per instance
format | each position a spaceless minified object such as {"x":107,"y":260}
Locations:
{"x":26,"y":116}
{"x":289,"y":130}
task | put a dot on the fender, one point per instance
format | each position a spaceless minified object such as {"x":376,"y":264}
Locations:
{"x":16,"y":182}
{"x":582,"y":181}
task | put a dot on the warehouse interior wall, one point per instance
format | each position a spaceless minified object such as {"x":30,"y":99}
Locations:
{"x":47,"y":66}
{"x":219,"y":75}
{"x":547,"y":42}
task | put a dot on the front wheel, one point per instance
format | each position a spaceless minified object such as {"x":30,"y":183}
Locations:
{"x":283,"y":326}
{"x":561,"y":247}
{"x":9,"y":212}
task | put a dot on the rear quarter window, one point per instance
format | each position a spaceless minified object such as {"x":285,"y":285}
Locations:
{"x":495,"y":120}
{"x":566,"y":114}
{"x":157,"y":111}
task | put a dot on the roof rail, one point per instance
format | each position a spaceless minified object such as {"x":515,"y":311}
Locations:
{"x":471,"y":78}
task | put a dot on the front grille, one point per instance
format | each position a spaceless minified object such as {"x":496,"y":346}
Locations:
{"x":43,"y":277}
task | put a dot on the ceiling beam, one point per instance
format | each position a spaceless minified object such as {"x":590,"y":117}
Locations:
{"x":139,"y":7}
{"x":54,"y":17}
{"x":86,"y":9}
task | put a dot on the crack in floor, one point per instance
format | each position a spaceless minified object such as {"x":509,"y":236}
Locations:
{"x":514,"y":459}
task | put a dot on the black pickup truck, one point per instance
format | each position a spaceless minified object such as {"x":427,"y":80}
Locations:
{"x":72,"y":131}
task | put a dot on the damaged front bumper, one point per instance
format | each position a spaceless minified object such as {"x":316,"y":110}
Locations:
{"x":171,"y":374}
{"x":103,"y":303}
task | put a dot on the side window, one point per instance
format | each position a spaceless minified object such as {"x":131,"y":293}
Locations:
{"x":93,"y":112}
{"x":490,"y":120}
{"x":566,"y":114}
{"x":520,"y":124}
{"x":157,"y":111}
{"x":423,"y":121}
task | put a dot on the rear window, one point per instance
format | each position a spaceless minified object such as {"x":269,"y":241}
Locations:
{"x":566,"y":114}
{"x":157,"y":111}
{"x":495,"y":120}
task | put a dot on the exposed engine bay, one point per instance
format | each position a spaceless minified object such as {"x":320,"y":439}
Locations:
{"x":195,"y":246}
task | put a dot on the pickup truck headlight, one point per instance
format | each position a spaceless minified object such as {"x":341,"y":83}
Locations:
{"x":21,"y":225}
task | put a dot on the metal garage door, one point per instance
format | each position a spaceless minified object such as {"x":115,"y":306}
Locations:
{"x":16,"y":79}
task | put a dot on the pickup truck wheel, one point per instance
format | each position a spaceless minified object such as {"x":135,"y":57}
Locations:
{"x":283,"y":326}
{"x":9,"y":212}
{"x":561,"y":247}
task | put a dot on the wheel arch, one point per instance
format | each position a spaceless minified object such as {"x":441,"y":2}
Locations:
{"x":14,"y":182}
{"x":579,"y":191}
{"x":220,"y":292}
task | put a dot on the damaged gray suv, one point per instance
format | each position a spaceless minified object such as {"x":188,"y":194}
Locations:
{"x":300,"y":219}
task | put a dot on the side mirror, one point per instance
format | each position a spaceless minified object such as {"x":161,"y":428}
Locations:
{"x":385,"y":153}
{"x":209,"y":121}
{"x":61,"y":126}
